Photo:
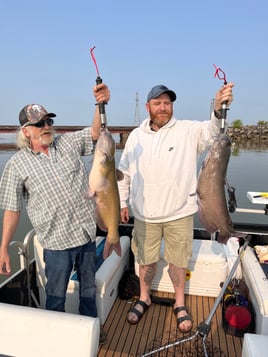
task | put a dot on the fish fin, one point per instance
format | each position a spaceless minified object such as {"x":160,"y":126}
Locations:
{"x":202,"y":218}
{"x":119,"y":175}
{"x":108,"y":249}
{"x":99,"y":221}
{"x":205,"y":162}
{"x":90,"y":194}
{"x":101,"y":225}
{"x":222,"y":238}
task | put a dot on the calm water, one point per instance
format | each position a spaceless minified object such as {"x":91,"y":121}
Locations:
{"x":247,"y":171}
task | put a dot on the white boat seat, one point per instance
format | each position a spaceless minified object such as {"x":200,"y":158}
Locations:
{"x":31,"y":332}
{"x":107,"y":279}
{"x":254,"y":345}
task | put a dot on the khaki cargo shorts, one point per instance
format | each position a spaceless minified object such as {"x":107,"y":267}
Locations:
{"x":178,"y":236}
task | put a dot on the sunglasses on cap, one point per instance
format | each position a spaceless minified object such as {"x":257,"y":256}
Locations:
{"x":42,"y":123}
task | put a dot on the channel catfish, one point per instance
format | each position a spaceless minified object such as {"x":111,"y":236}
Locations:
{"x":213,"y":211}
{"x":103,"y":187}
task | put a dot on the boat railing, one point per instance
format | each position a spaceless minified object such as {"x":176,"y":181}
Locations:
{"x":22,"y":263}
{"x":25,"y":262}
{"x":21,"y":252}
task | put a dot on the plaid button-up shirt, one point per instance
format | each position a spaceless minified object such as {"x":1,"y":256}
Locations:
{"x":54,"y":189}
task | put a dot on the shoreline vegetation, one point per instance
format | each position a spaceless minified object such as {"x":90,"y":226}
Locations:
{"x":255,"y":133}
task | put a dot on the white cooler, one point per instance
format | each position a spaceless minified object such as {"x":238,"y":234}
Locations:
{"x":207,"y":269}
{"x":254,"y":345}
{"x":257,"y":283}
{"x":107,"y":279}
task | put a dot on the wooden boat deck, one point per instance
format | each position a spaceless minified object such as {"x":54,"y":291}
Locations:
{"x":158,"y":328}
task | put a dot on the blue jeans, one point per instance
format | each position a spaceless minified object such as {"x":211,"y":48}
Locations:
{"x":58,"y":268}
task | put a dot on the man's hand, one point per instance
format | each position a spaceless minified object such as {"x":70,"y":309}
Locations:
{"x":101,"y":93}
{"x":124,"y":215}
{"x":5,"y":268}
{"x":224,"y":94}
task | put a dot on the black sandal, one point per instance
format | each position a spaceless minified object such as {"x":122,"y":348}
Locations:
{"x":183,"y":318}
{"x":137,"y":312}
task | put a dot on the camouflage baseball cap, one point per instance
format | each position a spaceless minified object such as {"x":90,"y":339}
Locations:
{"x":33,"y":113}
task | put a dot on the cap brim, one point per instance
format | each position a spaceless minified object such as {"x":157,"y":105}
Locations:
{"x":172,"y":95}
{"x":51,"y":115}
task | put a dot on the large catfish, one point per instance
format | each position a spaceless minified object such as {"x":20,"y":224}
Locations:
{"x":213,"y":211}
{"x":103,"y":187}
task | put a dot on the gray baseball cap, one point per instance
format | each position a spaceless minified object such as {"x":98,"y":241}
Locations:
{"x":160,"y":89}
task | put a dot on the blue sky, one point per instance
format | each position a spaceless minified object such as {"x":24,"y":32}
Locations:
{"x":45,"y":56}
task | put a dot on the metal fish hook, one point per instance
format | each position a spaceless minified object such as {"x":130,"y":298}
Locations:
{"x":221,"y":75}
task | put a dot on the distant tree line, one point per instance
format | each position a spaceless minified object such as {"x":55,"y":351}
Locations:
{"x":237,"y":124}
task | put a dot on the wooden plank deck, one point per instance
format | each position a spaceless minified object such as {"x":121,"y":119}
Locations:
{"x":157,"y":328}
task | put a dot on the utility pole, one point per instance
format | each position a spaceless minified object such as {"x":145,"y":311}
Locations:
{"x":212,"y":105}
{"x":137,"y":111}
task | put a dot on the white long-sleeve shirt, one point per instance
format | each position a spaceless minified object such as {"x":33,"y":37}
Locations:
{"x":160,"y":168}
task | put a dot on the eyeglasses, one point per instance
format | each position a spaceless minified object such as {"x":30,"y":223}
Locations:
{"x":42,"y":123}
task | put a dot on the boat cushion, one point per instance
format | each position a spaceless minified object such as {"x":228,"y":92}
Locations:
{"x":28,"y":332}
{"x":107,"y":278}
